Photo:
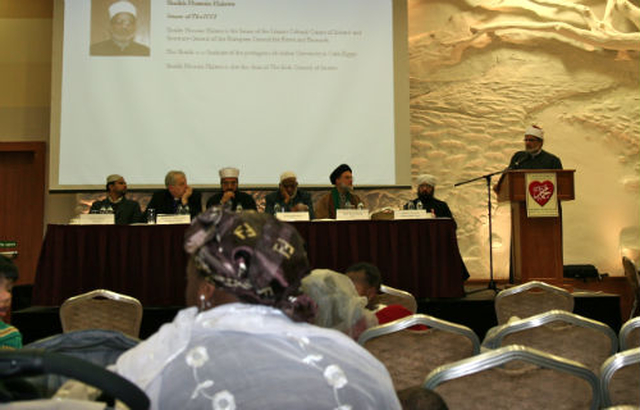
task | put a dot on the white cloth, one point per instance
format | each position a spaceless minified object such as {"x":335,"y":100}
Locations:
{"x":427,"y":179}
{"x":287,"y":175}
{"x":229,"y":172}
{"x":122,"y":7}
{"x":535,"y":132}
{"x":254,"y":357}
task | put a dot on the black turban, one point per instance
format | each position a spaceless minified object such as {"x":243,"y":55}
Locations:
{"x":338,"y":172}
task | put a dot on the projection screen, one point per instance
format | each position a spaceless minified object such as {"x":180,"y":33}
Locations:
{"x":265,"y":86}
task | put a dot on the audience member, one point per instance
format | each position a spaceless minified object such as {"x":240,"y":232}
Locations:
{"x":246,"y":345}
{"x":10,"y":337}
{"x":339,"y":305}
{"x":367,"y":280}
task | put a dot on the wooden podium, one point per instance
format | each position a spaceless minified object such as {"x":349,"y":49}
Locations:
{"x":536,"y":243}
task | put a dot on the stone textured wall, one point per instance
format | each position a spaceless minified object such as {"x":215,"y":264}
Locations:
{"x":481,"y":72}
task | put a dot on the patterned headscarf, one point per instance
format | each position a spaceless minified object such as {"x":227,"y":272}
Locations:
{"x":253,"y":256}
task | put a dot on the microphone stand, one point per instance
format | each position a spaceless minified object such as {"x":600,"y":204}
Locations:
{"x":487,"y":177}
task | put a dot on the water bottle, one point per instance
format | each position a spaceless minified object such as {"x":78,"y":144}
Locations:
{"x":277,"y":208}
{"x":103,"y":209}
{"x":411,"y":206}
{"x":183,"y":209}
{"x":151,"y":216}
{"x":239,"y":208}
{"x":419,"y":205}
{"x":109,"y":210}
{"x":360,"y":206}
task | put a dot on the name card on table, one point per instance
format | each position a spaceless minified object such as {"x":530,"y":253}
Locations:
{"x":292,"y":216}
{"x":412,"y":214}
{"x":352,"y":214}
{"x":170,"y":219}
{"x":97,"y":219}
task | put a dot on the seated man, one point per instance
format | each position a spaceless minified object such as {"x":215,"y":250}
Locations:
{"x":244,"y":342}
{"x":126,"y":210}
{"x":341,"y":196}
{"x":426,"y":190}
{"x":10,"y":337}
{"x":178,"y":198}
{"x":289,"y":198}
{"x":229,"y":196}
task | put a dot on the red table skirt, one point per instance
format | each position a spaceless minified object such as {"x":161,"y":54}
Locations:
{"x":148,"y":262}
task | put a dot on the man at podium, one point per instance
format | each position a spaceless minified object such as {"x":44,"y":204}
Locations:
{"x":534,"y":157}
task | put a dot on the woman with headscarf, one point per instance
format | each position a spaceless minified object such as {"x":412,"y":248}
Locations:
{"x":339,"y":305}
{"x":245,"y":343}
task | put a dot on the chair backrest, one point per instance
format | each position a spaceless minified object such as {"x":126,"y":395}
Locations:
{"x":620,"y":379}
{"x":630,"y":334}
{"x":530,"y":299}
{"x":560,"y":333}
{"x":631,"y":273}
{"x":410,"y":354}
{"x":393,"y":296}
{"x":102,"y":309}
{"x":540,"y":381}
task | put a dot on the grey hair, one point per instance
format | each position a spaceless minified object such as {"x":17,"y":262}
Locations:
{"x":170,"y":179}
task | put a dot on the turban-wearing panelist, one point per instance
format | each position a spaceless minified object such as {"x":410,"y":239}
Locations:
{"x":230,"y":196}
{"x":126,"y":211}
{"x":289,"y":197}
{"x":341,"y":195}
{"x":246,"y":342}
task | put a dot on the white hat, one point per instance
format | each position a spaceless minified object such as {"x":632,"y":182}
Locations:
{"x":427,"y":179}
{"x":535,"y":131}
{"x":113,"y":178}
{"x":287,"y":175}
{"x":122,"y":7}
{"x":229,"y":172}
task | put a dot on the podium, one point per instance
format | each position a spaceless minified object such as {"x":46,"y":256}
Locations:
{"x":536,"y":243}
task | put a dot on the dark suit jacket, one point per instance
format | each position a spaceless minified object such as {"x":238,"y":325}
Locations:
{"x":163,"y":203}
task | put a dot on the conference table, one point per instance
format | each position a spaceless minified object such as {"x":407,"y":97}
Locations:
{"x":148,"y":261}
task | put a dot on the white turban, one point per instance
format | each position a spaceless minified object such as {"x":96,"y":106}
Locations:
{"x":113,"y":178}
{"x":427,"y":179}
{"x":229,"y":172}
{"x":122,"y":7}
{"x":287,"y":175}
{"x":535,"y":131}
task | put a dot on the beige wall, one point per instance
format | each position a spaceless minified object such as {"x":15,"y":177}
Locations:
{"x":472,"y":94}
{"x":25,"y":81}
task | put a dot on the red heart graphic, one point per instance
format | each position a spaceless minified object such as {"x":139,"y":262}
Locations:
{"x":541,"y":192}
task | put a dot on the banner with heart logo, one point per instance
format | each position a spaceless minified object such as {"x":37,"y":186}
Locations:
{"x":542,"y":199}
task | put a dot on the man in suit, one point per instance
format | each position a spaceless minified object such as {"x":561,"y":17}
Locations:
{"x":178,"y":198}
{"x":126,"y":210}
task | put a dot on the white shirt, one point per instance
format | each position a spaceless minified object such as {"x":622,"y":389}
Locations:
{"x":241,"y":356}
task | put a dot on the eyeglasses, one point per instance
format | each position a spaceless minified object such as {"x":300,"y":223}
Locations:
{"x":532,"y":139}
